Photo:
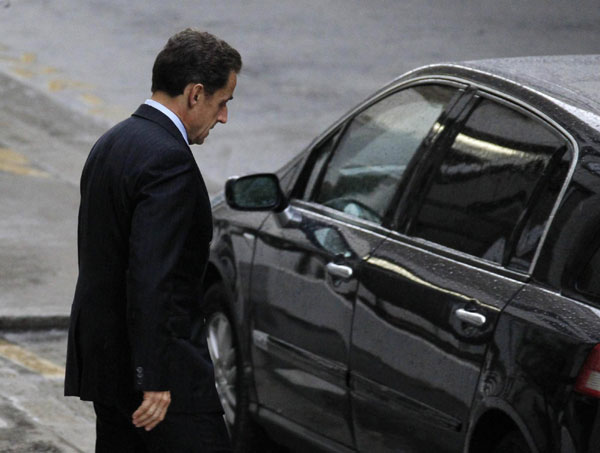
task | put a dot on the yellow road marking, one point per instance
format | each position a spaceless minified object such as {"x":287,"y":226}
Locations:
{"x":57,"y":85}
{"x":29,"y":360}
{"x":109,"y":111}
{"x":13,"y":162}
{"x":8,"y":155}
{"x":49,"y":70}
{"x":23,"y":72}
{"x":10,"y":59}
{"x":28,"y":58}
{"x":28,"y":66}
{"x":91,"y":99}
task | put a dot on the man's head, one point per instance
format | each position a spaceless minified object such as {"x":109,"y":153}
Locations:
{"x":195,"y":75}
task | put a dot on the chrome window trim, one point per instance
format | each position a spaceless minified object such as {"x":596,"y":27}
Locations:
{"x":433,"y":248}
{"x":320,"y":139}
{"x":449,"y":81}
{"x":329,"y":214}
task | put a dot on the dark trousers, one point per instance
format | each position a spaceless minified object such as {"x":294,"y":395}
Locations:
{"x":177,"y":433}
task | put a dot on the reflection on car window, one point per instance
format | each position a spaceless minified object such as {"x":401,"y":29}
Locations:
{"x":331,"y":240}
{"x":372,"y":155}
{"x":489,"y":178}
{"x":540,"y":206}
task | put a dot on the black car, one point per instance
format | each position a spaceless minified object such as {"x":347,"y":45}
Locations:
{"x":425,"y":276}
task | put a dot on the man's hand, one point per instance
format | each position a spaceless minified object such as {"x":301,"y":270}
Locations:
{"x":152,"y":411}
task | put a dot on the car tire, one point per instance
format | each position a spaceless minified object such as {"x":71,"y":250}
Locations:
{"x":513,"y":442}
{"x":224,"y":348}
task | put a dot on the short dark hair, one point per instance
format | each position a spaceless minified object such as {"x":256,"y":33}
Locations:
{"x":193,"y":56}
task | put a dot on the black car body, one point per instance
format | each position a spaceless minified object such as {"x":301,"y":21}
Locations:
{"x":426,"y":278}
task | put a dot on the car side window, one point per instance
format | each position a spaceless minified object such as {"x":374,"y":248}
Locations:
{"x":489,"y":179}
{"x":362,"y":175}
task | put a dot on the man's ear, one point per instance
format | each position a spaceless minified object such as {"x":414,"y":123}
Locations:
{"x":193,"y":93}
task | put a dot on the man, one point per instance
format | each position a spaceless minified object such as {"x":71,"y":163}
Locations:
{"x":144,"y":232}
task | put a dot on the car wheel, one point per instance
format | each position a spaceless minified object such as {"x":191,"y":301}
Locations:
{"x":224,"y":356}
{"x":224,"y":350}
{"x":513,"y":442}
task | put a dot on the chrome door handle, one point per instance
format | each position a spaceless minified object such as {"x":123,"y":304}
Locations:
{"x":477,"y":319}
{"x":339,"y":270}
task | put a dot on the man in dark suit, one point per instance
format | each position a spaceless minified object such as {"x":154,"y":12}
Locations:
{"x":143,"y":239}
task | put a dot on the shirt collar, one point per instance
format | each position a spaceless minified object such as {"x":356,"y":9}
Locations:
{"x":171,"y":115}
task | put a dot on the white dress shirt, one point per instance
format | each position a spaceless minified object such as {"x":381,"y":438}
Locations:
{"x":176,"y":121}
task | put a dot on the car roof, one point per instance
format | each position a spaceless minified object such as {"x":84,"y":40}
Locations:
{"x":571,"y":79}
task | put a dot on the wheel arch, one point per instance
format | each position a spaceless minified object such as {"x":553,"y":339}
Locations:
{"x":493,"y":422}
{"x":222,"y":272}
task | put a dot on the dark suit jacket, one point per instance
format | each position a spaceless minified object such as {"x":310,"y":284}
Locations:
{"x":143,"y":238}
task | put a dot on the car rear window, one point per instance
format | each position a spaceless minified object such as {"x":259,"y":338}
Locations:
{"x":494,"y":187}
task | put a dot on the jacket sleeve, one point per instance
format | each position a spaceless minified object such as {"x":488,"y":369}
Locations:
{"x":164,"y":203}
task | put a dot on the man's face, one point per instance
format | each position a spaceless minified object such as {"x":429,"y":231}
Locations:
{"x":210,"y":110}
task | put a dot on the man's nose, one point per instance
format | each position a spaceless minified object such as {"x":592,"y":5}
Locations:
{"x":222,"y":118}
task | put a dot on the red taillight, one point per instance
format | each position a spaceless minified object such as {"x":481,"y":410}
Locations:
{"x":588,"y":381}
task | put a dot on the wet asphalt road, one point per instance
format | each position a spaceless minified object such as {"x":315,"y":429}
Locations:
{"x":34,"y":416}
{"x":70,"y":69}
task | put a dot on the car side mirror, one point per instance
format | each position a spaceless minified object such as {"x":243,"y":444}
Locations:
{"x":258,"y":192}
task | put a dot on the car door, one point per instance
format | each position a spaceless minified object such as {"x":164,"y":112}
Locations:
{"x":431,"y":293}
{"x":305,"y":271}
